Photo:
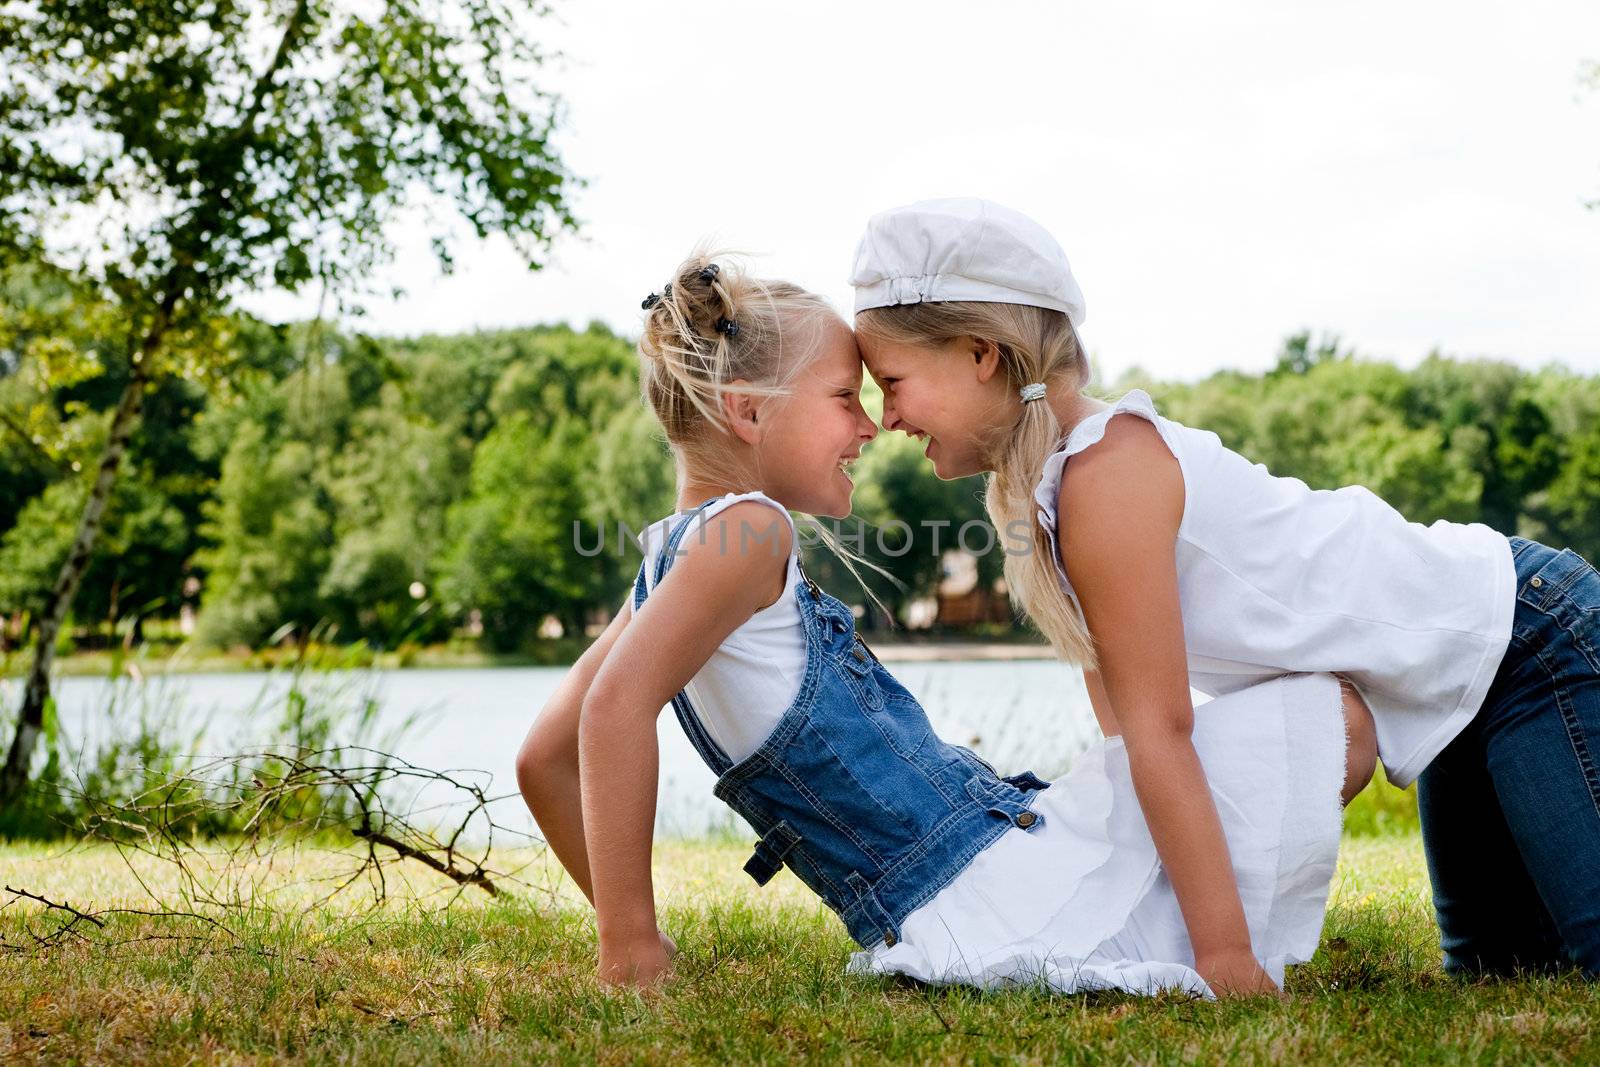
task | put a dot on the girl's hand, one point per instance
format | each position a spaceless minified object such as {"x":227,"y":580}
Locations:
{"x":1236,"y":974}
{"x":640,"y":964}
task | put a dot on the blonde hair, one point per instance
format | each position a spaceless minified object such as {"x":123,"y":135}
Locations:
{"x":1036,"y":345}
{"x":690,"y":360}
{"x":711,"y":326}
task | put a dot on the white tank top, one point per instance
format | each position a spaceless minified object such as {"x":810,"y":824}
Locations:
{"x":1275,"y":577}
{"x":755,"y":674}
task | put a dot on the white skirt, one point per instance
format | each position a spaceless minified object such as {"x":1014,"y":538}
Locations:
{"x":1081,"y":903}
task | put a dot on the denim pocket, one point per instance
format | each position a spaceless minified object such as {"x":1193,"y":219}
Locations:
{"x":1565,"y":580}
{"x":1566,"y":592}
{"x":903,"y":725}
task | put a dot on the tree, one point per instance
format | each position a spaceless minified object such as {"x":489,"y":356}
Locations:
{"x":390,"y":487}
{"x":170,"y":156}
{"x":273,"y":536}
{"x":512,"y":554}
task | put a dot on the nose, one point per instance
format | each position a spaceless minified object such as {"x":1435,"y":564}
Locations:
{"x":869,"y":429}
{"x":891,"y":418}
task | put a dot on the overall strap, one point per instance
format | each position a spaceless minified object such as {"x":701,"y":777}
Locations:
{"x":699,"y":737}
{"x":641,"y":589}
{"x":669,"y":551}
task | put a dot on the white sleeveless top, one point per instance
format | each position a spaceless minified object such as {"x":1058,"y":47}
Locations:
{"x":1275,"y":577}
{"x":1273,"y":756}
{"x":754,"y":675}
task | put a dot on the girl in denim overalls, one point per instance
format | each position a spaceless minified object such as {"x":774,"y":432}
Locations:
{"x":939,"y":867}
{"x":1164,"y":560}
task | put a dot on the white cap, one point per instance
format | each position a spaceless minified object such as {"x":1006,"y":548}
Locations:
{"x":936,"y":251}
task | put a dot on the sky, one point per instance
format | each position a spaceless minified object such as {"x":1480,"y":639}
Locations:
{"x":1408,"y":177}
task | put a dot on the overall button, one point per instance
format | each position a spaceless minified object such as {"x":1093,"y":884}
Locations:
{"x":861,"y":657}
{"x":1536,"y":582}
{"x":1027,"y":819}
{"x":889,"y":940}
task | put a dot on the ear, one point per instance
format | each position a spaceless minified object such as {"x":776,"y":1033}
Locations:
{"x":985,"y":358}
{"x":741,"y":411}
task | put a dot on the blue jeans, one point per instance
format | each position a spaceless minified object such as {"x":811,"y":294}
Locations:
{"x":1511,"y":808}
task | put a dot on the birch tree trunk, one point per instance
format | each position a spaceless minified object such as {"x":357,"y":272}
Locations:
{"x":30,"y":721}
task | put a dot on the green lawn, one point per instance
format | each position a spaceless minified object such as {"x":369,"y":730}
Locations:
{"x":760,"y":980}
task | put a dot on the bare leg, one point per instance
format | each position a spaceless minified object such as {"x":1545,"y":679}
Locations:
{"x":1361,"y":751}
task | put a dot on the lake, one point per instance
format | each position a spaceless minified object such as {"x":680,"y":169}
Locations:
{"x":1020,"y":715}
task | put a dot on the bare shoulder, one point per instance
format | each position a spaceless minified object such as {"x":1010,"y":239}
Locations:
{"x":1120,"y":504}
{"x":752,"y":528}
{"x":1129,"y":468}
{"x":743,"y":549}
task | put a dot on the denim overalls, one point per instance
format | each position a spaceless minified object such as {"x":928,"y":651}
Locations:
{"x":852,"y":789}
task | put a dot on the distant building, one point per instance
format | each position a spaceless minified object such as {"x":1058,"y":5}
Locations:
{"x":962,"y":599}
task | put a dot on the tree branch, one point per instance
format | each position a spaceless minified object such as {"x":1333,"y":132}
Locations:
{"x":258,"y":92}
{"x":476,"y":878}
{"x":57,"y":907}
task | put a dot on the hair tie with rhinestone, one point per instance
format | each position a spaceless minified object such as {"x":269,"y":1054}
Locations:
{"x":729,"y":327}
{"x":1032,"y":391}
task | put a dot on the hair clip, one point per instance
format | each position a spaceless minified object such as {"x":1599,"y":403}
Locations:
{"x":728,"y":326}
{"x":708,"y":273}
{"x":1032,"y":391}
{"x":655,"y":298}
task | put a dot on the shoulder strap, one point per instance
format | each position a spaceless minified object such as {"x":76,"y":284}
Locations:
{"x":699,"y":737}
{"x":641,"y":588}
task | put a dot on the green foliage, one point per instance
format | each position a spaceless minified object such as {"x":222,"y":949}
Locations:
{"x":225,"y":147}
{"x":453,"y":468}
{"x":400,"y":489}
{"x":512,"y":555}
{"x":272,"y":539}
{"x":1381,"y":809}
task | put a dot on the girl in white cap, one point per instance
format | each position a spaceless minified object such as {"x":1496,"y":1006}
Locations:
{"x":1158,"y":559}
{"x":939,"y":867}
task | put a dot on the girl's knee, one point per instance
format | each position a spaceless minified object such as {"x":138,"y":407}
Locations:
{"x":527,"y":762}
{"x":1361,"y":745}
{"x":536,"y":754}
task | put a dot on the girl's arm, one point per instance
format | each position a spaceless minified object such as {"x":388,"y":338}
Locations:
{"x":1121,"y":504}
{"x":1100,"y":702}
{"x":710,"y":591}
{"x":547,"y":764}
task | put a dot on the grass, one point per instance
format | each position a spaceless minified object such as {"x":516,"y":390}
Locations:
{"x":760,"y":980}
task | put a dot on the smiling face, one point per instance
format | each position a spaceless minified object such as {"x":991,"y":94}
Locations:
{"x":811,"y":434}
{"x":949,"y":396}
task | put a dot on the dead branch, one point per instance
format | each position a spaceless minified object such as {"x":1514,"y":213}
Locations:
{"x":58,"y":907}
{"x":228,"y":827}
{"x":473,"y":877}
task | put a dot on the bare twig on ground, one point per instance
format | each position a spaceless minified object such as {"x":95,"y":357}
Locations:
{"x":260,"y":807}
